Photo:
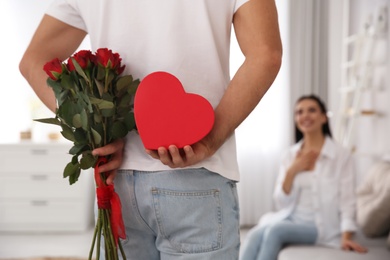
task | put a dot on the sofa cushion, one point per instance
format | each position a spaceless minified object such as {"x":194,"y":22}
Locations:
{"x":324,"y":253}
{"x":388,"y":241}
{"x":373,"y":201}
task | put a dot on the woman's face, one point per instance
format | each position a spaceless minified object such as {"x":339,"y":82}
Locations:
{"x":309,"y":117}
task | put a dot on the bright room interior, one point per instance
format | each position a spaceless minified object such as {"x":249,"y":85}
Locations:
{"x":313,"y":35}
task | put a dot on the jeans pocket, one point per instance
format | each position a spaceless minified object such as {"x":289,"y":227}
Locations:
{"x":190,"y":220}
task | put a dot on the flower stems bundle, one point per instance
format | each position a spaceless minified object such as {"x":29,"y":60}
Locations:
{"x":94,"y":108}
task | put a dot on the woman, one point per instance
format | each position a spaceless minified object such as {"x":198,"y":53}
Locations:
{"x":314,"y":194}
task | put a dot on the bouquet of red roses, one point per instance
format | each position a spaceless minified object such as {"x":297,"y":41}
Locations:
{"x":94,"y":108}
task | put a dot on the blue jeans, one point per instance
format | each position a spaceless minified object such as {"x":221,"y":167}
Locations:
{"x":264,"y":243}
{"x":179,"y":214}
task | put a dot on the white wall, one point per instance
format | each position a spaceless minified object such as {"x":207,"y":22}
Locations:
{"x":371,"y":140}
{"x":19,"y":18}
{"x":19,"y":104}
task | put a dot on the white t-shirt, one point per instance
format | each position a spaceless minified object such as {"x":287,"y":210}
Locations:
{"x":190,"y":39}
{"x":304,"y":209}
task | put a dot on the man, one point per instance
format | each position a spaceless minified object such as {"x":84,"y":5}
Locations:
{"x":177,"y":204}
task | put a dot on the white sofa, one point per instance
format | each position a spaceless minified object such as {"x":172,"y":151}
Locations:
{"x":378,"y":249}
{"x":373,"y":206}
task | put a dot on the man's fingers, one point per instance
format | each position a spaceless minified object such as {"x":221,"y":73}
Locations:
{"x":111,"y":148}
{"x":110,"y":178}
{"x":189,"y":152}
{"x":164,"y":156}
{"x":177,"y":159}
{"x":110,"y":165}
{"x":152,"y":153}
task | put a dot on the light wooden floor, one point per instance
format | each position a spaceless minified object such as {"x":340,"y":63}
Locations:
{"x":54,"y":245}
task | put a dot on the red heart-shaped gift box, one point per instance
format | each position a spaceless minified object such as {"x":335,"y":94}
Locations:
{"x":166,"y":115}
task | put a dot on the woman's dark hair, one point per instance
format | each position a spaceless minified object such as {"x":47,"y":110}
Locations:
{"x":325,"y":126}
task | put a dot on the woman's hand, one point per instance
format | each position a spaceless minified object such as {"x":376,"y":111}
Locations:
{"x":115,"y":149}
{"x":305,"y":161}
{"x":349,"y":245}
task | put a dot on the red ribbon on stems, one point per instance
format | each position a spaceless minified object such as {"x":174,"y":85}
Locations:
{"x":108,"y":199}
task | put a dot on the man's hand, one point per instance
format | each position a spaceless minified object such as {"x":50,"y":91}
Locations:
{"x":179,"y":158}
{"x":115,"y":149}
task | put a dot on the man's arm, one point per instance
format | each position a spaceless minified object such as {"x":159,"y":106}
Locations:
{"x":257,"y":32}
{"x":52,"y":39}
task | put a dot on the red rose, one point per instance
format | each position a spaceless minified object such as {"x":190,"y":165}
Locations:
{"x":109,"y":60}
{"x":84,"y":58}
{"x":54,"y":69}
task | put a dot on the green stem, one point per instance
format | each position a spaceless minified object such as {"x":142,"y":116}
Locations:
{"x":93,"y":243}
{"x":89,"y":127}
{"x":122,"y":251}
{"x":111,"y":237}
{"x":107,"y":236}
{"x":106,"y":81}
{"x":99,"y":223}
{"x":89,"y":81}
{"x":105,"y":131}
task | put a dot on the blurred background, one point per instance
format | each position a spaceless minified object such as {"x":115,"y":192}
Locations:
{"x":318,"y":46}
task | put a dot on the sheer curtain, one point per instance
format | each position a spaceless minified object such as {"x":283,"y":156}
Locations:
{"x":264,"y":136}
{"x":308,"y":40}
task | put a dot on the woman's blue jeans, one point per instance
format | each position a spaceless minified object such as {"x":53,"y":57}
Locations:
{"x":264,"y":243}
{"x":179,"y":214}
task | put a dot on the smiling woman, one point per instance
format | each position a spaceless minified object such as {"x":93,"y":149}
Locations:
{"x":314,"y":193}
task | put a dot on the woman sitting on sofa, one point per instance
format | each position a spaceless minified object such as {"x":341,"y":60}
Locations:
{"x":314,"y":193}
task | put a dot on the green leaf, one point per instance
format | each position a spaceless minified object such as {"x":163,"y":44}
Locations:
{"x":97,"y":138}
{"x":71,"y":169}
{"x":75,"y":159}
{"x":123,"y":84}
{"x":77,"y":121}
{"x":102,"y":104}
{"x":118,"y":130}
{"x":53,"y":121}
{"x":134,"y":86}
{"x":108,"y":112}
{"x":74,"y":177}
{"x":125,"y":101}
{"x":80,"y":136}
{"x":84,"y":102}
{"x":84,"y":120}
{"x":88,"y":160}
{"x":78,"y":149}
{"x":130,"y":121}
{"x":63,"y":97}
{"x":67,"y":111}
{"x":111,"y":76}
{"x":100,"y":87}
{"x":122,"y":112}
{"x":67,"y":82}
{"x":101,"y":73}
{"x":97,"y":118}
{"x":80,"y":70}
{"x":67,"y":132}
{"x":108,"y":97}
{"x":53,"y":83}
